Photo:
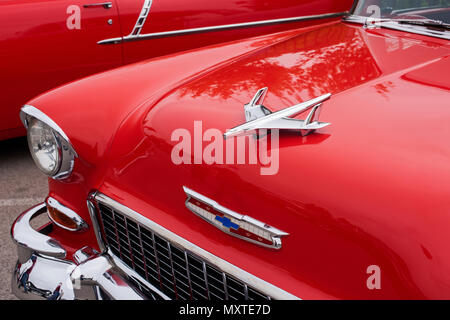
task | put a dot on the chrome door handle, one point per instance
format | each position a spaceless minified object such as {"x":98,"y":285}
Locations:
{"x":106,"y":5}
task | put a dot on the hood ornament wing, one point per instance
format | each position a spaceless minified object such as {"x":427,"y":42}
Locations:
{"x":259,"y":117}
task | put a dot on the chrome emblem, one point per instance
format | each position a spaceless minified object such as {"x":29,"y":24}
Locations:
{"x":259,"y":117}
{"x":233,"y":223}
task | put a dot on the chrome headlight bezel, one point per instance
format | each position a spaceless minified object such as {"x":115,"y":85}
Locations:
{"x":44,"y":146}
{"x":66,"y":152}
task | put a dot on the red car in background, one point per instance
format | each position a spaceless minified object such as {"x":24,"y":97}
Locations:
{"x":45,"y":44}
{"x":152,"y":198}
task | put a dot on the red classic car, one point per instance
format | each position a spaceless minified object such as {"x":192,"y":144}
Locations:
{"x":48,"y":43}
{"x":211,"y":174}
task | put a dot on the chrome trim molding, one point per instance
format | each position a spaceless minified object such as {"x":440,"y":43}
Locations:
{"x":269,"y":236}
{"x":96,"y":226}
{"x":417,"y":29}
{"x":81,"y":224}
{"x":31,"y":111}
{"x":67,"y":151}
{"x":242,"y":275}
{"x":141,"y":19}
{"x":137,"y":27}
{"x":182,"y":32}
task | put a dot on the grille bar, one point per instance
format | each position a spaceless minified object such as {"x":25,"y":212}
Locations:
{"x":142,"y":252}
{"x":178,"y":273}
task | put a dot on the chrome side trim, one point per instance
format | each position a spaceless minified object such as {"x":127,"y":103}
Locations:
{"x":417,"y":29}
{"x":81,"y":224}
{"x":141,"y":19}
{"x":242,"y":275}
{"x":182,"y":32}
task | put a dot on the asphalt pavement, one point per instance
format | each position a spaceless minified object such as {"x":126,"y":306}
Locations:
{"x":22,"y":185}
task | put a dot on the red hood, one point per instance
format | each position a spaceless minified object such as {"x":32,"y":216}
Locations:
{"x":371,"y":189}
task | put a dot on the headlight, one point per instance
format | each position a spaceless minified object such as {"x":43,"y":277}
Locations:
{"x":49,"y":145}
{"x":44,"y":147}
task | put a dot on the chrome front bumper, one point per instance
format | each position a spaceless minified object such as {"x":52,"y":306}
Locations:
{"x":43,"y":271}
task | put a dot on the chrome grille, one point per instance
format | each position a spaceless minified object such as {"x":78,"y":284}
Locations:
{"x":176,"y":272}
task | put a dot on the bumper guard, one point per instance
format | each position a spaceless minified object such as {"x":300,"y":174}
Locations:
{"x":44,"y":272}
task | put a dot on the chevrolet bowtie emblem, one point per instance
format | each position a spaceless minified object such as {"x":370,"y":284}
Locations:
{"x":235,"y":224}
{"x":259,"y":117}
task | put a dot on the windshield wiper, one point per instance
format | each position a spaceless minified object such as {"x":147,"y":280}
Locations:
{"x":424,"y":22}
{"x":370,"y":22}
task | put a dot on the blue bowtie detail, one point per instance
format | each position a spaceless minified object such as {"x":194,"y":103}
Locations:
{"x":227,"y":222}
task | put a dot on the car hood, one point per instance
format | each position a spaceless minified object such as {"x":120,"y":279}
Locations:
{"x":370,"y":189}
{"x":373,"y":188}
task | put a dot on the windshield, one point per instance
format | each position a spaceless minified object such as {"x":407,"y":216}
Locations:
{"x":438,"y":10}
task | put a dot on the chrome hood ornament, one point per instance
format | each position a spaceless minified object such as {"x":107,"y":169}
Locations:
{"x":233,"y":223}
{"x":259,"y":117}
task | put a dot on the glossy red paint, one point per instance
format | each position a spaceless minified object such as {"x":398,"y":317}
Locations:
{"x":181,"y":15}
{"x":371,"y":189}
{"x":41,"y":52}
